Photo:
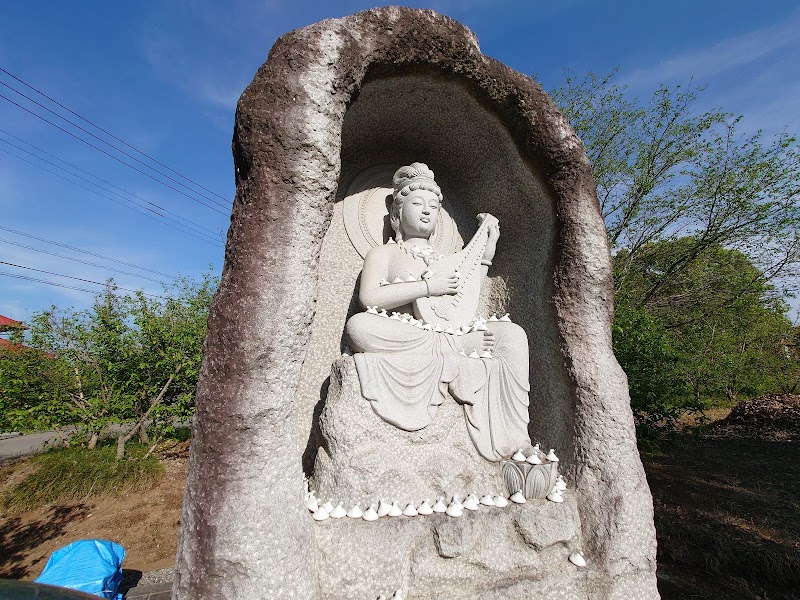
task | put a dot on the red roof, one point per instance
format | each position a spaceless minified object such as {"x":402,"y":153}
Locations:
{"x":7,"y":324}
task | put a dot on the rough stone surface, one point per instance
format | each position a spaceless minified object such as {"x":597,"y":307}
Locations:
{"x":482,"y":554}
{"x":332,"y":100}
{"x":367,"y":459}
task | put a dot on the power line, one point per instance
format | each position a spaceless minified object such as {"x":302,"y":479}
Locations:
{"x":190,"y":233}
{"x":73,"y":248}
{"x":55,"y":283}
{"x":85,"y":262}
{"x":196,"y":227}
{"x":77,"y":168}
{"x":77,"y":137}
{"x":108,"y":133}
{"x":2,"y":262}
{"x":110,"y":145}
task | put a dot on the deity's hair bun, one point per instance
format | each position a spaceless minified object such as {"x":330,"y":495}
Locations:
{"x":416,"y":176}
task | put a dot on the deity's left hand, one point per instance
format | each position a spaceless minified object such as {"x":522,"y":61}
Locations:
{"x":491,"y":242}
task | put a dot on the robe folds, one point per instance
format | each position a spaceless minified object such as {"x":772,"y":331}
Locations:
{"x":406,"y":372}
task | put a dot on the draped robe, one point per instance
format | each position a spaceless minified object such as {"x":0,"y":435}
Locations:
{"x":406,"y":372}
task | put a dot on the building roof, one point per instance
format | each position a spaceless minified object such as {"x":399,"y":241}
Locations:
{"x":7,"y":324}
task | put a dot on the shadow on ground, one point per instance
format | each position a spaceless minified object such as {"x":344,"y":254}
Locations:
{"x":727,"y":515}
{"x":18,"y":539}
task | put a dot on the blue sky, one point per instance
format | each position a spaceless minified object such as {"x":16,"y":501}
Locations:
{"x":165,"y":76}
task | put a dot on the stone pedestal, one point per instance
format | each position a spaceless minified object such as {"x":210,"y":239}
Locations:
{"x":363,"y":458}
{"x":521,"y":551}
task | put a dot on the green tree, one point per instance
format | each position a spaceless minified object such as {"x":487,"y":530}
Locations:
{"x":132,"y":361}
{"x":704,"y":226}
{"x":165,"y":354}
{"x":666,"y":171}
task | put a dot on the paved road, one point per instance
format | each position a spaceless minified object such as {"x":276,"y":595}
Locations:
{"x":15,"y":445}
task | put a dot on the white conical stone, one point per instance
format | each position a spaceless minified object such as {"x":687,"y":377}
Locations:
{"x":370,"y":514}
{"x":518,"y":456}
{"x":486,"y":354}
{"x":312,"y":504}
{"x":338,"y":512}
{"x":424,"y":508}
{"x":328,"y":507}
{"x":449,"y":330}
{"x":555,"y":496}
{"x":561,"y":485}
{"x":373,"y":310}
{"x":551,"y":456}
{"x":383,"y":313}
{"x":454,"y":510}
{"x":397,"y":280}
{"x":518,"y":498}
{"x":384,"y":282}
{"x":383,"y":508}
{"x":576,"y":558}
{"x":321,"y":514}
{"x":355,"y":512}
{"x":474,"y":354}
{"x":500,"y":502}
{"x":493,"y":318}
{"x":438,"y":328}
{"x":410,"y":278}
{"x":440,"y":506}
{"x":534,"y":459}
{"x":471,"y":502}
{"x":505,"y":318}
{"x":487,"y":500}
{"x":394,"y":510}
{"x":410,"y":510}
{"x":455,"y":500}
{"x":395,"y":316}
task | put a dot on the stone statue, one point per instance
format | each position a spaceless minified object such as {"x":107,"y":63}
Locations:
{"x":432,"y":346}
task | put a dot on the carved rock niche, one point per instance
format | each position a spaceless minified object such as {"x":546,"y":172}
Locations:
{"x":336,"y":108}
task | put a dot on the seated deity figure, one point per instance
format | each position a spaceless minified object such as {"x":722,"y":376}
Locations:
{"x":419,"y":342}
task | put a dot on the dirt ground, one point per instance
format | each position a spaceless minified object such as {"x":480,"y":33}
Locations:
{"x":145,"y":523}
{"x":726,"y":500}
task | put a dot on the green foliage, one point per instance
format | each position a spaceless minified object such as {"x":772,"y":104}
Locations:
{"x":128,"y":359}
{"x":73,"y":474}
{"x":29,"y":380}
{"x":704,"y":225}
{"x":646,"y":353}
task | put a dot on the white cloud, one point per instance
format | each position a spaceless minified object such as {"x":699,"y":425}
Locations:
{"x":724,"y":56}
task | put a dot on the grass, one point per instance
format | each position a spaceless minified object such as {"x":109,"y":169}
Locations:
{"x":73,"y":474}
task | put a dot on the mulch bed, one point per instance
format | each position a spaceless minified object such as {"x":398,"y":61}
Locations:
{"x":769,"y":417}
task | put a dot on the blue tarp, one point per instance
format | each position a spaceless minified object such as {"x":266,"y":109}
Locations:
{"x":91,"y":566}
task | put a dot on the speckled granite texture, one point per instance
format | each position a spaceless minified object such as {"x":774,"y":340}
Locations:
{"x":393,"y":86}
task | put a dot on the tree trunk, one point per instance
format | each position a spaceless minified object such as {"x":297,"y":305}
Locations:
{"x":123,"y":439}
{"x":143,"y":437}
{"x":92,"y":441}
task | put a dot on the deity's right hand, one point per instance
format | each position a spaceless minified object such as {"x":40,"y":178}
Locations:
{"x":442,"y":284}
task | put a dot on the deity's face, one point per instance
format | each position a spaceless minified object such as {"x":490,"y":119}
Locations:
{"x":419,"y":214}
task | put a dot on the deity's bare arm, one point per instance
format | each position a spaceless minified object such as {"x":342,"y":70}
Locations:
{"x":376,"y":269}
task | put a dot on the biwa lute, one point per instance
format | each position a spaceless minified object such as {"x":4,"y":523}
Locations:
{"x":459,"y":308}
